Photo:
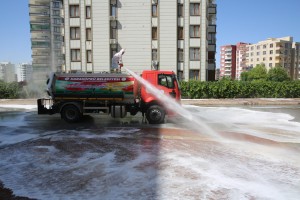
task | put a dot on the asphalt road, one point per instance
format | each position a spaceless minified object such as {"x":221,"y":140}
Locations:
{"x":223,"y":153}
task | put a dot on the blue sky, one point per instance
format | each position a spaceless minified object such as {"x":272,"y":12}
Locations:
{"x":237,"y":21}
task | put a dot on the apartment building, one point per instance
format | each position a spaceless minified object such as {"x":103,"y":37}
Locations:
{"x":228,"y":61}
{"x":241,"y":59}
{"x":177,"y":35}
{"x":24,"y":72}
{"x":276,"y":51}
{"x":7,"y":72}
{"x":46,"y":38}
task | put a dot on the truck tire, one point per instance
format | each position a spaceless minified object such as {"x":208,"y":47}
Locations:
{"x":70,"y":113}
{"x":155,"y":114}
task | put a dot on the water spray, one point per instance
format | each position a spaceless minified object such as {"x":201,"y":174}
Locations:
{"x":171,"y":104}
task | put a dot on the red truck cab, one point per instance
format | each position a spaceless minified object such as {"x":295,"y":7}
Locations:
{"x":165,"y":81}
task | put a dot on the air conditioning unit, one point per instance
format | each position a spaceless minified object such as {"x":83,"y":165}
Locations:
{"x":113,"y":2}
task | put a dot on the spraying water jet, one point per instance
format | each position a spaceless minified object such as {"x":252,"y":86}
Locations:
{"x":172,"y":105}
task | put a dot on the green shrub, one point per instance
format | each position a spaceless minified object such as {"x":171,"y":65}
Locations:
{"x":9,"y":90}
{"x":240,"y":89}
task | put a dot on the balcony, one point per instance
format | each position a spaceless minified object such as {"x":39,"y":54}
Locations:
{"x":212,"y":28}
{"x":38,"y":52}
{"x":212,"y":8}
{"x":37,"y":5}
{"x":40,"y":44}
{"x":211,"y":47}
{"x":40,"y":35}
{"x":62,"y":13}
{"x":40,"y":27}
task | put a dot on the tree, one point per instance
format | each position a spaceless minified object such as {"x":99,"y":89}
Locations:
{"x":258,"y":73}
{"x":244,"y":76}
{"x":9,"y":90}
{"x":278,"y":74}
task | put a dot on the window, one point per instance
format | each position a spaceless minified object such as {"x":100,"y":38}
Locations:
{"x":56,"y":12}
{"x":270,"y":64}
{"x":75,"y":33}
{"x":180,"y":75}
{"x":257,"y":59}
{"x":88,"y":34}
{"x":113,"y":33}
{"x":57,"y":45}
{"x":74,"y":11}
{"x":286,"y":52}
{"x":286,"y":45}
{"x":88,"y":12}
{"x":154,"y":33}
{"x":56,"y":21}
{"x":271,"y":45}
{"x":154,"y":54}
{"x":264,"y":52}
{"x":252,"y":48}
{"x":194,"y":74}
{"x":89,"y":56}
{"x":257,"y":53}
{"x":180,"y":10}
{"x":265,"y":46}
{"x":194,"y":53}
{"x":271,"y":58}
{"x":180,"y":55}
{"x":195,"y":31}
{"x":75,"y":55}
{"x":55,"y":4}
{"x":264,"y":59}
{"x":154,"y":10}
{"x":166,"y":80}
{"x":56,"y":29}
{"x":180,"y":33}
{"x":195,"y":9}
{"x":257,"y":47}
{"x":271,"y":51}
{"x":113,"y":10}
{"x":58,"y":37}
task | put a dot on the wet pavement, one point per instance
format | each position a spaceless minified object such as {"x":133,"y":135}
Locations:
{"x":245,"y":152}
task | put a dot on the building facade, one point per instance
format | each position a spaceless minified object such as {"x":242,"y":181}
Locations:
{"x":46,"y":37}
{"x":166,"y":35}
{"x":241,"y":59}
{"x":275,"y":52}
{"x":24,"y":72}
{"x":228,"y":61}
{"x":7,"y":72}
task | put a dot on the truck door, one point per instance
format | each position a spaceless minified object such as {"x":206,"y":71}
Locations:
{"x":169,"y":84}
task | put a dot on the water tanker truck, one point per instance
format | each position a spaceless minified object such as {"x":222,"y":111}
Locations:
{"x":116,"y":94}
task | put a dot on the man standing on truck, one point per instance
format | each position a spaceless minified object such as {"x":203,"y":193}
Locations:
{"x":117,"y":61}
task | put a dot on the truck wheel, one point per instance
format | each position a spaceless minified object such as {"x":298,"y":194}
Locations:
{"x":155,"y":114}
{"x":70,"y":113}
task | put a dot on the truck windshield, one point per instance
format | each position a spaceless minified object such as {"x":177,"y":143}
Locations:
{"x":166,"y":80}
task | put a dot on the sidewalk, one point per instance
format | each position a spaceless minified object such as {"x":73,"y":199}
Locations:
{"x":248,"y":101}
